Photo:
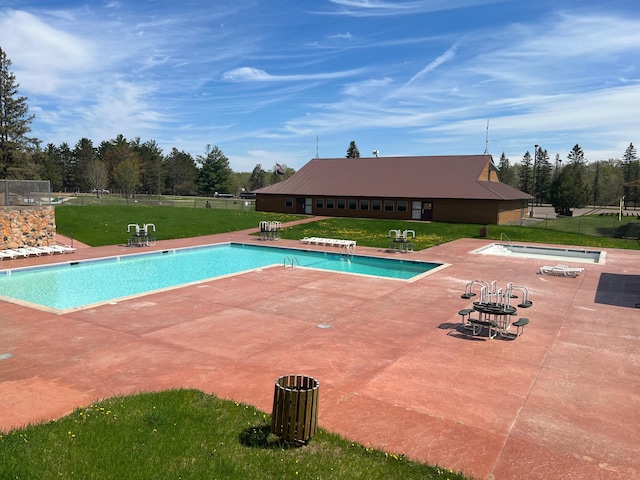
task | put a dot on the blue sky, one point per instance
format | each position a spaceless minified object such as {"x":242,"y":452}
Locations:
{"x":263,"y":79}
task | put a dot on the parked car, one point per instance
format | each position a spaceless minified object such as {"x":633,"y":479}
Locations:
{"x":100,"y":190}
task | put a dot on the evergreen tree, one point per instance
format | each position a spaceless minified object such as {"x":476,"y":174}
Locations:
{"x":151,"y":168}
{"x":180,"y":173}
{"x":258,"y":178}
{"x":84,"y":155}
{"x":542,"y":175}
{"x":215,"y":174}
{"x":52,"y":167}
{"x":525,"y":177}
{"x":631,"y":171}
{"x":15,"y":124}
{"x":352,"y":151}
{"x":571,"y":189}
{"x":506,"y":172}
{"x":69,"y":171}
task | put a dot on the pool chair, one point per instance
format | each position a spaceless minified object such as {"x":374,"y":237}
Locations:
{"x":33,"y":251}
{"x":64,"y":248}
{"x":7,"y":254}
{"x":561,"y":271}
{"x":17,"y":252}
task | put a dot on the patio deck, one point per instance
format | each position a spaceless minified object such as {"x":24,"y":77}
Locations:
{"x":561,"y":401}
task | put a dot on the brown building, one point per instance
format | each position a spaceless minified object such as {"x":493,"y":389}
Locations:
{"x":456,"y":188}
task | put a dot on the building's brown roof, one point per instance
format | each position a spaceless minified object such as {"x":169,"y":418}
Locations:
{"x":455,"y":176}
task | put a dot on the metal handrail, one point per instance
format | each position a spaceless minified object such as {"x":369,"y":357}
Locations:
{"x":503,"y":236}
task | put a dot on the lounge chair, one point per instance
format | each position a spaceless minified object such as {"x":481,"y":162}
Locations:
{"x":47,"y":250}
{"x":64,"y":248}
{"x":33,"y":251}
{"x":7,"y":254}
{"x":561,"y":271}
{"x":17,"y":252}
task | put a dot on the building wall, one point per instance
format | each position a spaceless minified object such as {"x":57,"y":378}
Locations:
{"x":27,"y":226}
{"x":444,"y":210}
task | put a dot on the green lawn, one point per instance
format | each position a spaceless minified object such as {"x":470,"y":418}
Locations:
{"x":98,"y":225}
{"x":107,"y":225}
{"x":191,"y":435}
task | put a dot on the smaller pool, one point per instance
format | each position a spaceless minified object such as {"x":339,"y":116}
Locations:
{"x":544,"y":253}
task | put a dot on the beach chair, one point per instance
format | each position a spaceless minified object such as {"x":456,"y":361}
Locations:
{"x":16,"y":252}
{"x":7,"y":254}
{"x":561,"y":271}
{"x":33,"y":251}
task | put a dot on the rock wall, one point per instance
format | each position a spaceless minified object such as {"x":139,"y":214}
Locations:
{"x":27,"y":226}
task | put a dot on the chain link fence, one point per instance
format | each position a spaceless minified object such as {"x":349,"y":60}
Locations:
{"x":24,"y":192}
{"x":602,"y":222}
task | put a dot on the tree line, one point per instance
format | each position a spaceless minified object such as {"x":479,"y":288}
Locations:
{"x":574,"y":183}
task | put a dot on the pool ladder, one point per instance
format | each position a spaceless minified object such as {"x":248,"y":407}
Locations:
{"x":505,"y":250}
{"x":290,"y":262}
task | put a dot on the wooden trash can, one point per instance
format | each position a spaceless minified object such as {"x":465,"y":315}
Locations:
{"x":295,"y":408}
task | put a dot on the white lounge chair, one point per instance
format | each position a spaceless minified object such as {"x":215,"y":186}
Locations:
{"x":7,"y":254}
{"x":47,"y":250}
{"x":33,"y":251}
{"x":64,"y":248}
{"x":561,"y":271}
{"x":16,"y":252}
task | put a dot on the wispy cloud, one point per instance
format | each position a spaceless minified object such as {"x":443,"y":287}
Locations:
{"x":445,"y":57}
{"x":257,"y":75}
{"x":366,"y":8}
{"x":264,"y":81}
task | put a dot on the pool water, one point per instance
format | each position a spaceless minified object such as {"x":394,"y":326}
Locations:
{"x":72,"y":285}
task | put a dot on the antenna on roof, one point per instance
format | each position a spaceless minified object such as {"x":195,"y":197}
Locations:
{"x":486,"y":142}
{"x":317,"y":154}
{"x":376,"y":153}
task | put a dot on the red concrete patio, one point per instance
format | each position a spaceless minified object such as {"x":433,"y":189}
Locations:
{"x":561,"y":401}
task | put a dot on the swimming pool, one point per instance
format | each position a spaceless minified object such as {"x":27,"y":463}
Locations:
{"x":544,"y":253}
{"x":73,"y":285}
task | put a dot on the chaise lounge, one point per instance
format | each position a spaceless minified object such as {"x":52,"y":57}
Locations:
{"x":561,"y":271}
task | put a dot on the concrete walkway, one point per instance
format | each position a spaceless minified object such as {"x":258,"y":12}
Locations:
{"x":396,"y":373}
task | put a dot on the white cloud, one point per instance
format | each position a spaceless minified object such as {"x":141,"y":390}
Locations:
{"x":250,"y":74}
{"x":43,"y":57}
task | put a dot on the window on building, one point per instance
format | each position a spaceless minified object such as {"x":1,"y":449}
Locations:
{"x":388,"y":205}
{"x":353,"y":204}
{"x":319,"y":202}
{"x":342,"y":203}
{"x":364,"y":204}
{"x":331,"y":203}
{"x":402,"y":206}
{"x":376,"y":205}
{"x":288,"y":202}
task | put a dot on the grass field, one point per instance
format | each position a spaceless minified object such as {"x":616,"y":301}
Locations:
{"x":107,"y":225}
{"x":98,"y":225}
{"x":191,"y":435}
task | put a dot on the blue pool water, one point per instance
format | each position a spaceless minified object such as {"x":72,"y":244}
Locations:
{"x":77,"y":284}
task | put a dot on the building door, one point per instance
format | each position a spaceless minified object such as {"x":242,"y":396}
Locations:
{"x":416,"y":210}
{"x":300,"y":205}
{"x":308,"y":206}
{"x":427,"y":211}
